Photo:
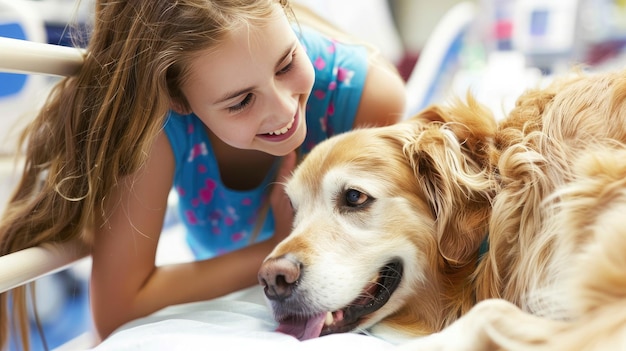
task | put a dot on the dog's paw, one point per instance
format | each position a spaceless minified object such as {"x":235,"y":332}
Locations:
{"x":474,"y":331}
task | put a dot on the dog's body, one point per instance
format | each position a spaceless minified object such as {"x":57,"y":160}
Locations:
{"x":409,"y":227}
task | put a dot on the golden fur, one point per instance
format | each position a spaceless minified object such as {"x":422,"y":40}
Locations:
{"x":546,"y":187}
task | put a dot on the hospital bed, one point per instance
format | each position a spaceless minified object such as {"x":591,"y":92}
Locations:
{"x":240,"y":320}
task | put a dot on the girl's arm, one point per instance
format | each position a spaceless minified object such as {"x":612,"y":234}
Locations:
{"x":125,"y":283}
{"x":384,"y":95}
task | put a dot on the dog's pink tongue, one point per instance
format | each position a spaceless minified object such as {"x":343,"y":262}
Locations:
{"x":303,"y":329}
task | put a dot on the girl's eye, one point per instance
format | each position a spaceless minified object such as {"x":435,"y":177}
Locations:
{"x":241,"y":105}
{"x":288,"y":67}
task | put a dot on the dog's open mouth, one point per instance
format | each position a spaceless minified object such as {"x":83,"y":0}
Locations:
{"x":375,"y":294}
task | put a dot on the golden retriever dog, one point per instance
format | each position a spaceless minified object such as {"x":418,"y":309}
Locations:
{"x":489,"y":236}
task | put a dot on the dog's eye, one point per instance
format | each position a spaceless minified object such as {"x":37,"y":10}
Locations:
{"x":355,"y":198}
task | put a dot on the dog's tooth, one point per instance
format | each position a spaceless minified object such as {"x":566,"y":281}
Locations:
{"x":329,"y":319}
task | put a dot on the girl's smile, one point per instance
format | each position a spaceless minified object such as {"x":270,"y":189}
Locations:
{"x":285,"y":132}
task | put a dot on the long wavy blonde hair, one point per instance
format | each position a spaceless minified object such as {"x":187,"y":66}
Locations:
{"x":97,"y":126}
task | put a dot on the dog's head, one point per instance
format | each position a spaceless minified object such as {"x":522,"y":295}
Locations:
{"x":379,"y":214}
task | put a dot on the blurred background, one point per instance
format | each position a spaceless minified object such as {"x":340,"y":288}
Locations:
{"x":494,"y":48}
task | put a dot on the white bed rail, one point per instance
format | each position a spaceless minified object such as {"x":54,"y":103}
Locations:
{"x":28,"y":265}
{"x":22,"y":56}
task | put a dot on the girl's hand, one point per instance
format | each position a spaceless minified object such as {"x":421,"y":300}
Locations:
{"x":280,"y":203}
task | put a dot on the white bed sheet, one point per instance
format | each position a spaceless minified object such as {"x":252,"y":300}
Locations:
{"x":240,"y":321}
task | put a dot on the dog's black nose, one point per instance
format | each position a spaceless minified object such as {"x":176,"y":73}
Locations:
{"x":279,"y":277}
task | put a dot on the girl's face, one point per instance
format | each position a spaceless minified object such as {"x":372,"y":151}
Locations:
{"x":251,"y":91}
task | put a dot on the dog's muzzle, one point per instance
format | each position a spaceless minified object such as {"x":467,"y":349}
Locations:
{"x":280,"y":277}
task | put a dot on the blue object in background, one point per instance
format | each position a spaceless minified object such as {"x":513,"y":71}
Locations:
{"x":11,"y":83}
{"x":73,"y":319}
{"x":64,"y":35}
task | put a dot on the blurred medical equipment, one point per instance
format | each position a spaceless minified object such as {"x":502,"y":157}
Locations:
{"x":555,"y":34}
{"x":440,"y":58}
{"x":498,"y":48}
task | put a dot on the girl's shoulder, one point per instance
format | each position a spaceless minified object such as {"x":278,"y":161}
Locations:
{"x":182,"y":130}
{"x":318,"y":43}
{"x":340,"y":72}
{"x":187,"y":138}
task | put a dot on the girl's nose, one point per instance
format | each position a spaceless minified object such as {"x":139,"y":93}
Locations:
{"x":284,"y":100}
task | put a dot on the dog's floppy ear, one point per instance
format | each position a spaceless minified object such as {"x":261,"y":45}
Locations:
{"x":450,"y":156}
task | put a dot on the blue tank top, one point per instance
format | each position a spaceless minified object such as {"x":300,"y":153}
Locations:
{"x":218,"y":219}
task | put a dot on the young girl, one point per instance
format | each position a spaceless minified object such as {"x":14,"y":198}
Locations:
{"x":211,"y":97}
